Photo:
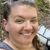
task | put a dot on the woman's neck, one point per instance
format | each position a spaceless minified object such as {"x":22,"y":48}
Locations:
{"x":18,"y":46}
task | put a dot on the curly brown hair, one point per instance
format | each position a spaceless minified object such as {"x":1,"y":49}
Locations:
{"x":38,"y":45}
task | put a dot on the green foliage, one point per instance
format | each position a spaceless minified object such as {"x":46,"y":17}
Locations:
{"x":38,"y":2}
{"x":1,"y":10}
{"x":43,"y":8}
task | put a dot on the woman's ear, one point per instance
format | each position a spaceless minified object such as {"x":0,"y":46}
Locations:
{"x":5,"y":24}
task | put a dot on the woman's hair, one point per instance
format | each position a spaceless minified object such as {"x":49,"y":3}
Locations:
{"x":37,"y":44}
{"x":8,"y":4}
{"x":7,"y":9}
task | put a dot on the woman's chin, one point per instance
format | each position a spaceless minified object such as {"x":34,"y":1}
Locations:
{"x":25,"y":41}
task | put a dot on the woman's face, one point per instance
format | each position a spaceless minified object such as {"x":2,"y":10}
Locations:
{"x":22,"y":24}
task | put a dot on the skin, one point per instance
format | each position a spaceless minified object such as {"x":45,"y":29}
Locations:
{"x":22,"y":26}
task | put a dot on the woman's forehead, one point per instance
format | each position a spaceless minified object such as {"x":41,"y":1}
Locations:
{"x":23,"y":10}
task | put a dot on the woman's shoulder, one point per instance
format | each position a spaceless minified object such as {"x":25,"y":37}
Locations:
{"x":4,"y":46}
{"x":1,"y":46}
{"x":2,"y":49}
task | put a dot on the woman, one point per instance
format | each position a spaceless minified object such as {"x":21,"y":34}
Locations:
{"x":21,"y":24}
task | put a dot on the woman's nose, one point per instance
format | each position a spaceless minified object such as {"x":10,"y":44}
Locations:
{"x":28,"y":26}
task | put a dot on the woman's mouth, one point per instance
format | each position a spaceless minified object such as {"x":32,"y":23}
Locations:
{"x":26,"y":34}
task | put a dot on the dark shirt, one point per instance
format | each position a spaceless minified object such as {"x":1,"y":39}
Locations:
{"x":48,"y":47}
{"x":5,"y":46}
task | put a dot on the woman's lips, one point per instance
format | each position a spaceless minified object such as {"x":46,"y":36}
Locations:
{"x":26,"y":34}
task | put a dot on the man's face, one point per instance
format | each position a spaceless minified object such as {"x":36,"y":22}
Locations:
{"x":22,"y":24}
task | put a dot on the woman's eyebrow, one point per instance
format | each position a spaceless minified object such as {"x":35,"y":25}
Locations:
{"x":34,"y":18}
{"x":19,"y":16}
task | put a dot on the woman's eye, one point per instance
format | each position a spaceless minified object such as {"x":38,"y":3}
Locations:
{"x":34,"y":20}
{"x":19,"y":21}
